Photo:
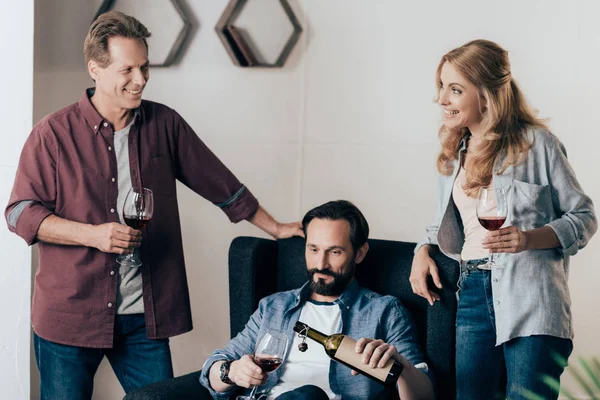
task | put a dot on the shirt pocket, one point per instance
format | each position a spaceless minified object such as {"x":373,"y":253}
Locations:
{"x":531,"y":205}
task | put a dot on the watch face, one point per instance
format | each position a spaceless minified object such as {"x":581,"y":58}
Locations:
{"x":224,"y":375}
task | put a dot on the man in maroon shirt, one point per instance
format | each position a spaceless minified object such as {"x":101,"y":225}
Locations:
{"x":74,"y":172}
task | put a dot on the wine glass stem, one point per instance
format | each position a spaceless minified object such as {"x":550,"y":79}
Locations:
{"x":253,"y":392}
{"x":491,"y":258}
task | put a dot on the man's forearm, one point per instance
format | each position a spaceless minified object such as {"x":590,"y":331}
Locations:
{"x":414,"y":384}
{"x":264,"y":221}
{"x":58,"y":230}
{"x":109,"y":237}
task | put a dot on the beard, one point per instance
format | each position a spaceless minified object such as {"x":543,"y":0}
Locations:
{"x":338,"y":284}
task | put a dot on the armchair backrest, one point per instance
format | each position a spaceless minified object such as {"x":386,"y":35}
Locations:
{"x":259,"y":267}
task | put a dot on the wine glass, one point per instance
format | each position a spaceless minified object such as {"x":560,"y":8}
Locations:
{"x":492,"y":209}
{"x":137,"y":211}
{"x":268,"y":355}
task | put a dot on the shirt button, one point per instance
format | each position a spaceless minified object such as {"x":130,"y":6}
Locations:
{"x":109,"y":305}
{"x":109,"y":148}
{"x":495,"y":280}
{"x":105,"y":124}
{"x":95,"y":127}
{"x":497,"y":302}
{"x":113,"y":179}
{"x":112,"y":272}
{"x":112,"y":210}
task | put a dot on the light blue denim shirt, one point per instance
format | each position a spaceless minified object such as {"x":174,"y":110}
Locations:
{"x":364,"y":314}
{"x":530,"y":290}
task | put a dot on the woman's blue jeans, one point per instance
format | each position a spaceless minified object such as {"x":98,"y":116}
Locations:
{"x":481,"y":365}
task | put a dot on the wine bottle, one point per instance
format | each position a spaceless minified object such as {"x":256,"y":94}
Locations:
{"x":341,"y":348}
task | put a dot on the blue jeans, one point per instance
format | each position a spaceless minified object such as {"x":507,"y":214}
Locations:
{"x":67,"y":372}
{"x":481,"y":365}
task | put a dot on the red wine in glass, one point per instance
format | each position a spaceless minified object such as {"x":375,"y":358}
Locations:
{"x":137,"y":211}
{"x":268,"y":355}
{"x":492,"y":210}
{"x":268,"y":364}
{"x":492,"y":223}
{"x":136,"y":223}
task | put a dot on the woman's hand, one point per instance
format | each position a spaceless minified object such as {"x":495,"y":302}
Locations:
{"x":423,"y":266}
{"x":506,"y":240}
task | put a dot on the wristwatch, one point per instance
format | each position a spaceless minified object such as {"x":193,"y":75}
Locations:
{"x":224,"y":369}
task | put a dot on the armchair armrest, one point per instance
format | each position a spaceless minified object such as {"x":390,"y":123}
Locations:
{"x":183,"y":387}
{"x":441,"y":323}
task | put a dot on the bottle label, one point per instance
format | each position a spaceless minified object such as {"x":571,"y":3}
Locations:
{"x":346,"y":354}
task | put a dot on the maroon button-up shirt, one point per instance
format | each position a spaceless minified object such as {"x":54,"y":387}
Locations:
{"x":66,"y":169}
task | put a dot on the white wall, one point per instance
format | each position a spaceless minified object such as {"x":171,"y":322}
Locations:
{"x":351,"y":116}
{"x":16,"y":108}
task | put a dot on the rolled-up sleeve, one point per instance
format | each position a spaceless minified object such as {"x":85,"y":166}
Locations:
{"x":201,"y":170}
{"x":577,"y":222}
{"x":33,"y":197}
{"x":242,"y":344}
{"x":401,"y":333}
{"x":431,"y":233}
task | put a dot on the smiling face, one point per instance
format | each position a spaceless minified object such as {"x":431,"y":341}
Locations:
{"x":461,"y":103}
{"x":120,"y":84}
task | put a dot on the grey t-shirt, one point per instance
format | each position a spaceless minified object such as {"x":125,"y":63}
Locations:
{"x":129,"y":296}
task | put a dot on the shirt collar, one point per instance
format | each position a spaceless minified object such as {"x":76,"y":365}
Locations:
{"x":93,"y":117}
{"x":350,"y":294}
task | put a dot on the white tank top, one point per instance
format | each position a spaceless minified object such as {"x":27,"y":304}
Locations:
{"x":474,"y":232}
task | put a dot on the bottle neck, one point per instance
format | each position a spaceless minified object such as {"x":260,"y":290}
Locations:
{"x":317,"y":336}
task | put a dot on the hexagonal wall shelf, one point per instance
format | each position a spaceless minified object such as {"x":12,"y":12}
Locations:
{"x":165,"y":19}
{"x":239,"y":43}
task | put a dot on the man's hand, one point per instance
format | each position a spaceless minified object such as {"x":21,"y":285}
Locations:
{"x":506,"y":240}
{"x":412,"y":384}
{"x":376,"y":353}
{"x":113,"y":237}
{"x":245,"y":373}
{"x":263,"y":220}
{"x":288,"y":230}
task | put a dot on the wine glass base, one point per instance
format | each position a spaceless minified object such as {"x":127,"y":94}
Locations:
{"x":245,"y":398}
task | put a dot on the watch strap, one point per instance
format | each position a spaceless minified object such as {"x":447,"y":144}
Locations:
{"x":224,"y":373}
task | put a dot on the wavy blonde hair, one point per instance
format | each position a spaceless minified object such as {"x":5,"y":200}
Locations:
{"x":504,"y":122}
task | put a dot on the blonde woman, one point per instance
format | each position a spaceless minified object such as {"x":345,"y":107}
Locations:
{"x":513,"y":316}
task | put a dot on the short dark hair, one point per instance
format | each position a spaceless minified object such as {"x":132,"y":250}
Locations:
{"x":341,"y":209}
{"x":107,"y":25}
